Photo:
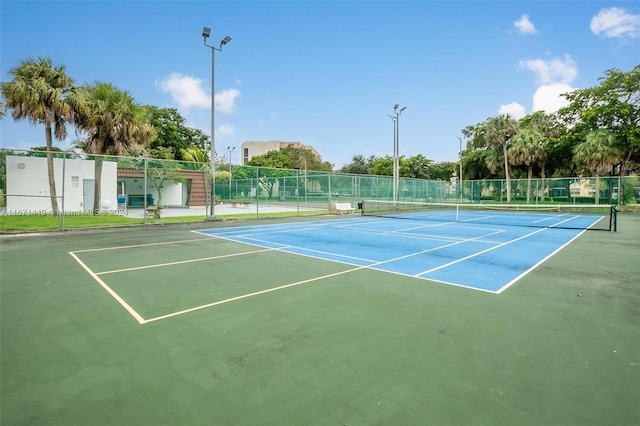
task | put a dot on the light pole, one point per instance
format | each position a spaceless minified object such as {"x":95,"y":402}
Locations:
{"x":396,"y":151}
{"x":230,"y":149}
{"x":205,"y":34}
{"x":305,"y":180}
{"x":460,"y":176}
{"x":395,"y":155}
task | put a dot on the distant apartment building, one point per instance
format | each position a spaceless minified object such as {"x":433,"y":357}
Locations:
{"x":252,"y":148}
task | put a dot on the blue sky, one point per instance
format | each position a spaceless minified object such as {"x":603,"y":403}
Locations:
{"x":327,"y":73}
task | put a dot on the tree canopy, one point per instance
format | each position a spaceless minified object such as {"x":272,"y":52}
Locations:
{"x":539,"y":144}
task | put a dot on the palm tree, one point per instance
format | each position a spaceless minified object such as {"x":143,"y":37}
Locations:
{"x":42,"y":94}
{"x":197,"y":157}
{"x":597,"y":153}
{"x":548,"y":126}
{"x":114,"y":123}
{"x":526,"y":150}
{"x":499,"y":131}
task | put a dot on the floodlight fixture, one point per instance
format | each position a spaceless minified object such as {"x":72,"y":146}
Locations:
{"x":205,"y":32}
{"x":395,"y":107}
{"x":403,"y":108}
{"x":225,"y":40}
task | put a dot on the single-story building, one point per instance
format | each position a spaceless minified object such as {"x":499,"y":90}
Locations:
{"x":27,"y":186}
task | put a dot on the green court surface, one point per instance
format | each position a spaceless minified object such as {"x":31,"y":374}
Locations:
{"x":159,"y":326}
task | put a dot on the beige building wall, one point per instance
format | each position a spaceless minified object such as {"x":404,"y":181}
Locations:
{"x":252,"y":148}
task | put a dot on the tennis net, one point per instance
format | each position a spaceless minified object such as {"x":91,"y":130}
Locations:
{"x":598,"y":217}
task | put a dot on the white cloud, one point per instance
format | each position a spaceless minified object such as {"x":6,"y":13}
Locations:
{"x":615,"y":22}
{"x":226,"y":100}
{"x":225,"y":130}
{"x":186,"y":91}
{"x":514,"y":110}
{"x":548,"y":97}
{"x":563,"y":70}
{"x":525,"y":26}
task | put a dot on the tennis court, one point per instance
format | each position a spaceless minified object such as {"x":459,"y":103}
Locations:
{"x":462,"y":253}
{"x":347,"y":320}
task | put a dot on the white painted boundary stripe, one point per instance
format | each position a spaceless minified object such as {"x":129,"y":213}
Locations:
{"x":549,"y":218}
{"x":257,"y":293}
{"x":479,"y":253}
{"x":140,"y":245}
{"x":180,"y":262}
{"x":513,"y":281}
{"x":110,"y":290}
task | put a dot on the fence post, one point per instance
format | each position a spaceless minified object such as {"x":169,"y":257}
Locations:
{"x":64,"y":163}
{"x":144,"y":213}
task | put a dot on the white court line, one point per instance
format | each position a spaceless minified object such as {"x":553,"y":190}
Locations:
{"x":480,"y":252}
{"x":567,"y":220}
{"x":550,"y":218}
{"x":257,"y":293}
{"x":110,"y":290}
{"x":513,"y":281}
{"x":180,"y":262}
{"x":284,"y":248}
{"x":140,"y":245}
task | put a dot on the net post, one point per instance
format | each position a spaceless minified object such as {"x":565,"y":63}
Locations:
{"x":614,"y":217}
{"x":361,"y":207}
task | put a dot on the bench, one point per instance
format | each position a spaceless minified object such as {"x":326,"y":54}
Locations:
{"x":153,"y":211}
{"x":241,"y":204}
{"x":344,"y":207}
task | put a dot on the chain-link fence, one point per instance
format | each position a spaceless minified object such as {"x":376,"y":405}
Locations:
{"x":68,"y":183}
{"x":575,"y":190}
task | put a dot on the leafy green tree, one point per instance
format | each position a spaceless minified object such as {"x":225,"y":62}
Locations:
{"x":159,"y":173}
{"x":271,"y":162}
{"x":382,"y":166}
{"x":613,"y":105}
{"x":419,"y":167}
{"x":598,"y":153}
{"x":474,"y":165}
{"x":273,"y":159}
{"x":43,"y":94}
{"x":302,"y":158}
{"x":114,"y":123}
{"x":173,"y":133}
{"x":359,"y":165}
{"x":443,"y":170}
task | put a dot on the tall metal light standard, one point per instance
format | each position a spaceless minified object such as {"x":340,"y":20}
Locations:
{"x":396,"y":152}
{"x":205,"y":34}
{"x":230,"y":149}
{"x":460,"y":176}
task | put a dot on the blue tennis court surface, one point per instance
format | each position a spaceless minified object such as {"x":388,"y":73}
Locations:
{"x":479,"y":256}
